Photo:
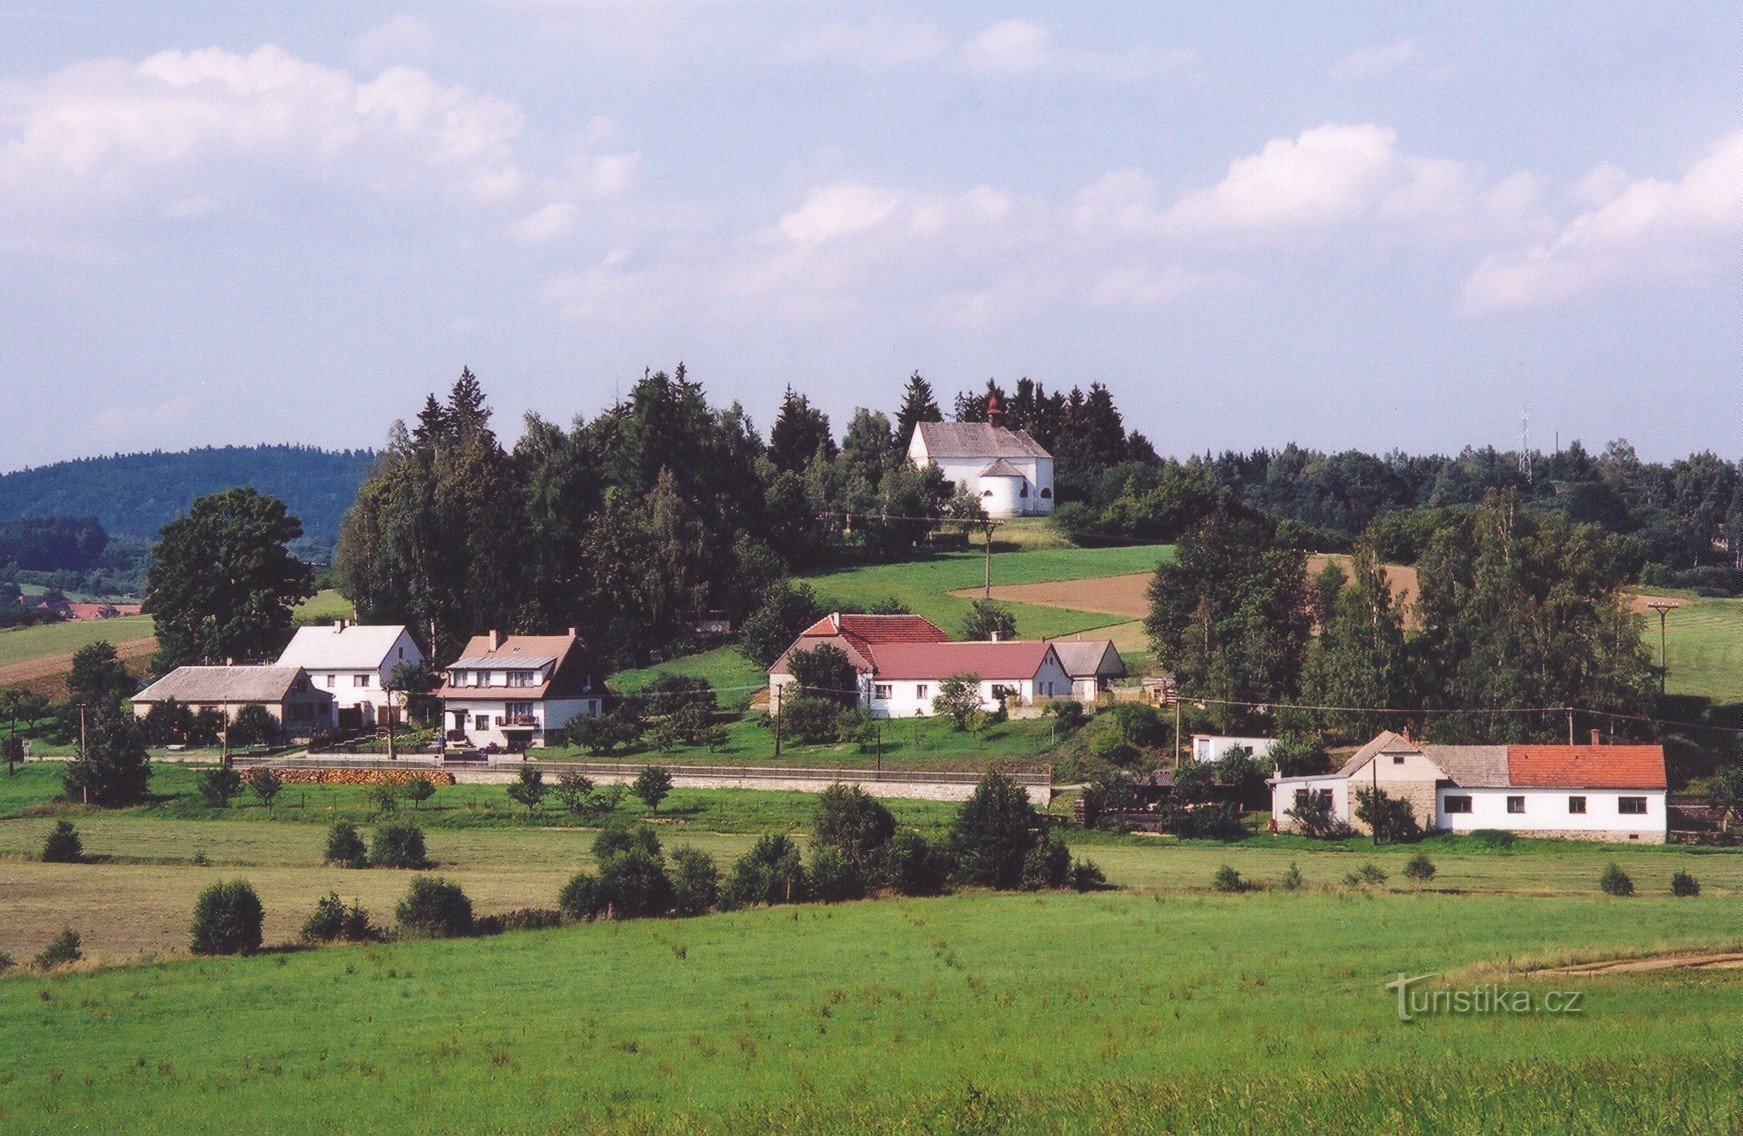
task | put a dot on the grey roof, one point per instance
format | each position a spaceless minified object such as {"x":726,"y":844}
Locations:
{"x":225,"y":684}
{"x":1082,"y":658}
{"x":354,"y":647}
{"x":501,"y":662}
{"x":1472,"y":766}
{"x":1001,"y":468}
{"x":1385,"y":742}
{"x":977,"y":440}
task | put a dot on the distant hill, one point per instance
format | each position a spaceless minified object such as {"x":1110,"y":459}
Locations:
{"x":137,"y":494}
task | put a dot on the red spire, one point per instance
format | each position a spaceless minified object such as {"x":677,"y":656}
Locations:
{"x":995,"y":410}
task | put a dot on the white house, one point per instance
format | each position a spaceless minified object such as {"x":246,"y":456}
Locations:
{"x":1215,"y":747}
{"x":295,"y":703}
{"x":1006,"y":469}
{"x":900,"y":661}
{"x":353,"y":663}
{"x":1093,"y":665}
{"x":517,"y":691}
{"x":1592,"y":792}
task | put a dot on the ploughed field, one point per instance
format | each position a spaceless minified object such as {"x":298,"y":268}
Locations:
{"x":974,"y":1013}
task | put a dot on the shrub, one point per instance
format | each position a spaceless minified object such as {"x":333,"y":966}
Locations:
{"x":1069,"y":712}
{"x":769,"y":873}
{"x":63,"y":845}
{"x":619,"y":838}
{"x":332,"y":922}
{"x":914,"y":865}
{"x":1368,"y":874}
{"x":62,"y":950}
{"x":1291,"y":880}
{"x":1313,"y":817}
{"x":398,"y":846}
{"x":1227,"y":879}
{"x":990,"y":836}
{"x":1684,"y":884}
{"x":345,"y":847}
{"x":579,"y":898}
{"x":1420,"y":869}
{"x":833,"y":877}
{"x":265,"y":784}
{"x":1048,"y":864}
{"x":227,"y":920}
{"x":695,"y":881}
{"x":418,"y":790}
{"x":1492,"y":838}
{"x":651,"y":786}
{"x":253,"y":725}
{"x":1615,"y":881}
{"x":434,"y":908}
{"x":1390,"y":818}
{"x":810,"y":720}
{"x":853,"y":823}
{"x":958,"y":698}
{"x":520,"y":919}
{"x":633,"y":885}
{"x":575,"y":792}
{"x":1110,"y":792}
{"x":6,"y":962}
{"x":218,"y":787}
{"x":384,"y":795}
{"x":1086,"y":875}
{"x":529,"y":789}
{"x":1142,"y":725}
{"x":1111,"y":747}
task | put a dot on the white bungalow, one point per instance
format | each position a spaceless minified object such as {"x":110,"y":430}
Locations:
{"x":1006,"y":469}
{"x":908,"y":675}
{"x":1589,"y":792}
{"x":354,"y":663}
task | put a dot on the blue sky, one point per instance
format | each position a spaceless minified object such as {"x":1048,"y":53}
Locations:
{"x":1343,"y":225}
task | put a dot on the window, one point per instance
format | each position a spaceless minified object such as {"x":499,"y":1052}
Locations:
{"x":1515,"y":804}
{"x":1397,"y":759}
{"x":920,"y":690}
{"x":401,"y":652}
{"x":1324,"y":796}
{"x":883,"y":690}
{"x":1456,"y":803}
{"x":360,"y":680}
{"x":986,"y":493}
{"x":1046,"y":494}
{"x":481,"y":721}
{"x":332,"y":681}
{"x":1024,"y":490}
{"x":520,"y":678}
{"x":1576,"y":805}
{"x":1631,"y":806}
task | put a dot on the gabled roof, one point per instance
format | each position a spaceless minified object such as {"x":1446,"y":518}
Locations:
{"x":976,"y":440}
{"x":342,"y":646}
{"x":228,"y":684}
{"x":1089,"y":658}
{"x":1385,"y":742}
{"x":574,"y":675}
{"x":1001,"y":468}
{"x":992,"y":661}
{"x":855,"y":635}
{"x":1587,"y":766}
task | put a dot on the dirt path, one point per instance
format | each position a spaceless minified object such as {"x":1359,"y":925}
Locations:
{"x":1698,"y":960}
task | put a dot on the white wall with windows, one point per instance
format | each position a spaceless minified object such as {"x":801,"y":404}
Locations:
{"x":1625,"y":813}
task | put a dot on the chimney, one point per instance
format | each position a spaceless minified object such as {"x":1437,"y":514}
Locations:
{"x":340,"y":625}
{"x":1406,"y":735}
{"x":572,"y":634}
{"x":1595,"y":739}
{"x":995,"y":636}
{"x":495,"y":639}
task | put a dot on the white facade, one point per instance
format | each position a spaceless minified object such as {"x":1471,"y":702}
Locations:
{"x":502,"y":721}
{"x":912,"y":698}
{"x":1010,"y":474}
{"x":1552,"y":812}
{"x":353,"y":663}
{"x":1285,"y":792}
{"x":1215,"y":747}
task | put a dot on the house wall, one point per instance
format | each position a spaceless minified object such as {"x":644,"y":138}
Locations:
{"x":549,"y":715}
{"x":906,"y":700}
{"x":965,"y":474}
{"x":1546,"y":813}
{"x":341,"y":682}
{"x":1283,"y":797}
{"x":1211,"y":747}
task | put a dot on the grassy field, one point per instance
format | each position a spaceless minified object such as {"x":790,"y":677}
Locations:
{"x":1006,"y":1014}
{"x":1704,"y":640}
{"x":925,"y":586}
{"x":736,"y":680}
{"x":326,"y":604}
{"x":26,"y":644}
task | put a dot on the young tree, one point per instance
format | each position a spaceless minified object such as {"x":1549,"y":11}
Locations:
{"x":228,"y":918}
{"x":223,"y":582}
{"x":218,"y":787}
{"x":695,"y":882}
{"x":99,"y":680}
{"x":770,"y":873}
{"x":265,"y":783}
{"x":853,"y":822}
{"x":1390,"y":819}
{"x":529,"y":789}
{"x":63,"y":845}
{"x":434,"y":908}
{"x":992,"y":833}
{"x":253,"y":725}
{"x":958,"y":697}
{"x":115,"y":768}
{"x":652,"y":785}
{"x":575,"y":792}
{"x":1725,"y":790}
{"x":345,"y":847}
{"x":989,"y":620}
{"x":398,"y":846}
{"x":418,"y":790}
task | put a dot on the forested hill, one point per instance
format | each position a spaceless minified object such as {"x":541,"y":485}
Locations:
{"x":137,"y":494}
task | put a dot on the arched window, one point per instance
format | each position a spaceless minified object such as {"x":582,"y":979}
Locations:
{"x":1024,"y":490}
{"x":1046,"y":494}
{"x":986,"y":493}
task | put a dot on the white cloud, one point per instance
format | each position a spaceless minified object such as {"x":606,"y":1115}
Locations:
{"x":1644,"y":229}
{"x":1020,"y":47}
{"x":1376,"y":60}
{"x":838,"y":210}
{"x":882,"y":44}
{"x":105,"y":139}
{"x":549,"y":223}
{"x":403,"y":39}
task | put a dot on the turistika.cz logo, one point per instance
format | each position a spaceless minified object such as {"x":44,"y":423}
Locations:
{"x":1489,"y":999}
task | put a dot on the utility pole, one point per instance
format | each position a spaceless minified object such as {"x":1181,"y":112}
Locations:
{"x":1663,"y":608}
{"x":989,"y":526}
{"x":1176,"y":728}
{"x":776,"y":703}
{"x":1570,"y":725}
{"x":84,"y":755}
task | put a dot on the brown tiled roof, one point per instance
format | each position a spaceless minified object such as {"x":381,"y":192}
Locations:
{"x":573,"y":677}
{"x":991,"y":661}
{"x":977,"y":440}
{"x":1587,"y":766}
{"x":1001,"y":468}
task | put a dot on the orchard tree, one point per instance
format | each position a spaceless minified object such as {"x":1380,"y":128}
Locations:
{"x":652,"y":785}
{"x":114,"y":769}
{"x":958,"y":698}
{"x":989,"y":620}
{"x":223,"y":583}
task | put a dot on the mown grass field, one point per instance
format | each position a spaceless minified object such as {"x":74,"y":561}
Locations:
{"x":976,"y":1013}
{"x":25,"y":644}
{"x":1704,"y":640}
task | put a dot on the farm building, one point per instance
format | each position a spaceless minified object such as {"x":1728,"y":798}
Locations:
{"x":284,"y":692}
{"x":1215,"y":747}
{"x":516,"y":692}
{"x":901,"y":660}
{"x":1007,"y":470}
{"x":1093,"y":665}
{"x":1587,"y":792}
{"x":354,"y":663}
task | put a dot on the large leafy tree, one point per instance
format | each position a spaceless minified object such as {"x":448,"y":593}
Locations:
{"x":1360,"y":658}
{"x":99,"y":680}
{"x":1229,"y":614}
{"x":223,"y":582}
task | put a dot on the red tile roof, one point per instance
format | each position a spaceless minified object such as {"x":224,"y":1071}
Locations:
{"x":1586,"y":766}
{"x":991,"y":661}
{"x":879,"y":628}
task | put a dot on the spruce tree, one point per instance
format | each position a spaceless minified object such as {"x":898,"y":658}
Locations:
{"x":918,"y":405}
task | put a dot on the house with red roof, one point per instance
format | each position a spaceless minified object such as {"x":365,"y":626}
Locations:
{"x":1582,"y":792}
{"x":902,"y":660}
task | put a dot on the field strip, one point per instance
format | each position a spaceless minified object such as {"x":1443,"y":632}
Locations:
{"x":49,"y":666}
{"x":1109,"y":595}
{"x":1704,"y":960}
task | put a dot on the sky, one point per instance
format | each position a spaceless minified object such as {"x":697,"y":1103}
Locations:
{"x":1345,"y":225}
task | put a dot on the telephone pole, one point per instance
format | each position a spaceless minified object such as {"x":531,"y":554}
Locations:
{"x":1663,"y":608}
